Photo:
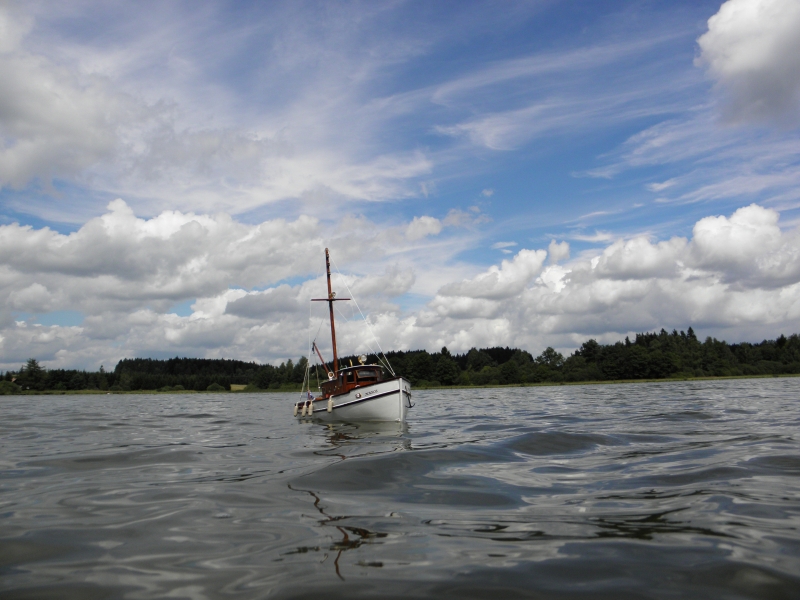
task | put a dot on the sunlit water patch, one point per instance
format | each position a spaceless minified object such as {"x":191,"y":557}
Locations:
{"x":627,"y":491}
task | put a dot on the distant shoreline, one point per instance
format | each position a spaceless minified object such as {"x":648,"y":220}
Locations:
{"x":438,"y":387}
{"x":652,"y":356}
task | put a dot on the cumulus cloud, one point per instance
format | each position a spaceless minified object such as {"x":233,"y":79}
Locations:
{"x":638,"y":258}
{"x":394,"y":282}
{"x":422,"y":227}
{"x":558,"y":251}
{"x":752,"y":49}
{"x":34,"y":298}
{"x":738,"y":274}
{"x":249,"y":287}
{"x":500,"y":282}
{"x":124,"y":273}
{"x":748,"y":249}
{"x":264,"y":304}
{"x":121,"y":260}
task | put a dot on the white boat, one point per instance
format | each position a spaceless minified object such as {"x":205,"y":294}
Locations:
{"x":365,"y":392}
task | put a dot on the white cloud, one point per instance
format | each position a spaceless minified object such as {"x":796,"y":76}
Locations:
{"x":558,"y":251}
{"x":659,"y":187}
{"x":500,"y":282}
{"x":525,"y":68}
{"x":13,"y":28}
{"x":717,"y":163}
{"x":140,"y":118}
{"x":509,"y":129}
{"x":421,"y":227}
{"x":738,"y":276}
{"x":597,"y":236}
{"x":122,"y":261}
{"x":34,"y":298}
{"x":461,"y":218}
{"x":752,"y":48}
{"x":638,"y":258}
{"x":747,"y":249}
{"x":53,"y":123}
{"x":725,"y":280}
{"x":565,"y":100}
{"x":394,"y":282}
{"x":555,"y":277}
{"x":123,"y":273}
{"x":501,"y":245}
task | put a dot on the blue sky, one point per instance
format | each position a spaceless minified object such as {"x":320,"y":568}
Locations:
{"x":431,"y":141}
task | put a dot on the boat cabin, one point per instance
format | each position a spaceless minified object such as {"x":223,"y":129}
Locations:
{"x":350,"y":378}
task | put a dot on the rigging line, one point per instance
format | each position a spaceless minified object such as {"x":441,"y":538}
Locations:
{"x":341,"y":314}
{"x":383,"y":361}
{"x":362,"y":315}
{"x":307,"y":376}
{"x":321,"y":323}
{"x":371,"y":350}
{"x":369,"y":346}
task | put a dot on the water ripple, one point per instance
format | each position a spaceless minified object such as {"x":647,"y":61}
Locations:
{"x":642,"y":491}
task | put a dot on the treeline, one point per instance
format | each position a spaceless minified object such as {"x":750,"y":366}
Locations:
{"x":189,"y":373}
{"x":174,"y":374}
{"x":648,"y":356}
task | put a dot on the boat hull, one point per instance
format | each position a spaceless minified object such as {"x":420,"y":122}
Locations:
{"x":382,"y":401}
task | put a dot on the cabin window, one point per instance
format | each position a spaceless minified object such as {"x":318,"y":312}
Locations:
{"x":351,"y":377}
{"x":367,"y":374}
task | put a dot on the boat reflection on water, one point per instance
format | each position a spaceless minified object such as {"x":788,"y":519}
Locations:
{"x":350,"y":441}
{"x":352,"y":537}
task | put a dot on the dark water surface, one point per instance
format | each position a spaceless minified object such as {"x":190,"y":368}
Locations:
{"x":671,"y":490}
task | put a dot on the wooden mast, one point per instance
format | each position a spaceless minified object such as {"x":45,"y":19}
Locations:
{"x":330,"y":300}
{"x":331,"y":297}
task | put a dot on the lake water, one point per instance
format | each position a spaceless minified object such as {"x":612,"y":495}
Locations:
{"x":660,"y":490}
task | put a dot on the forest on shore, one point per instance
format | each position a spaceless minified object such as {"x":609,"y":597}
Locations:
{"x":657,"y":355}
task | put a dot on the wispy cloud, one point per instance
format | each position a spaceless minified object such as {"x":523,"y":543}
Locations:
{"x":499,"y":245}
{"x":658,"y":187}
{"x":597,"y":236}
{"x":717,"y":162}
{"x":546,"y":64}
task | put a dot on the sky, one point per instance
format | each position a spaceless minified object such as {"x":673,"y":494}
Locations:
{"x":524,"y":174}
